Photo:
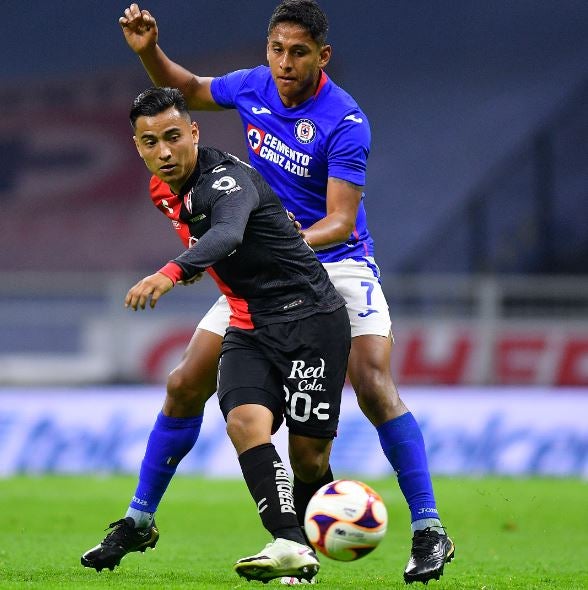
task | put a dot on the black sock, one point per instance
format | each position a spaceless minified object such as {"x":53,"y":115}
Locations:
{"x":303,"y":492}
{"x":270,"y":487}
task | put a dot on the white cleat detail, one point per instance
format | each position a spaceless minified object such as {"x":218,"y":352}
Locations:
{"x":292,"y":581}
{"x":280,"y":558}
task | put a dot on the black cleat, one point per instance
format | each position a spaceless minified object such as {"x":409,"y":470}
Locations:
{"x":122,"y":539}
{"x":431,"y":550}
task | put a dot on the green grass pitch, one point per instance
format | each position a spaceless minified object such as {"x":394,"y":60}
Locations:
{"x":509,"y":534}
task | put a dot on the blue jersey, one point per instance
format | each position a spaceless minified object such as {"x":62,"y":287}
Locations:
{"x":297,"y":148}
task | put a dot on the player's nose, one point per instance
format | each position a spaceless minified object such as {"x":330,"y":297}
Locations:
{"x":164,"y":152}
{"x":285,"y":62}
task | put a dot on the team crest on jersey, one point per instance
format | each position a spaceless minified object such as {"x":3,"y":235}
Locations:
{"x":188,"y":201}
{"x":304,"y":130}
{"x":255,"y":138}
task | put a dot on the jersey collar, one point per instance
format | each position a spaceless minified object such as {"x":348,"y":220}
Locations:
{"x":324,"y":79}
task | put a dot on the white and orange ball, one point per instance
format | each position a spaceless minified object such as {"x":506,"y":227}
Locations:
{"x":345,"y":520}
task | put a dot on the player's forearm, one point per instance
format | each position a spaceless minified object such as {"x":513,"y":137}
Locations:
{"x":165,"y":72}
{"x":329,"y":231}
{"x":215,"y":245}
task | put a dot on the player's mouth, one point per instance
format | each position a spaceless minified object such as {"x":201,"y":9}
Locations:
{"x":286,"y":80}
{"x":167,"y":167}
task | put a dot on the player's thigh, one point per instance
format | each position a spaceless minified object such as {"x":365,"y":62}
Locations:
{"x":372,"y":381}
{"x":358,"y":282}
{"x":197,"y":371}
{"x":247,"y":377}
{"x":216,"y":319}
{"x":369,"y":360}
{"x":198,"y":368}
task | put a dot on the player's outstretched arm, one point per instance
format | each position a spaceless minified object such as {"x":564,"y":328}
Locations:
{"x":140,"y":30}
{"x":149,"y":289}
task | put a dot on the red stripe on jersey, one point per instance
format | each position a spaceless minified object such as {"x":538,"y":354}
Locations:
{"x":240,"y":316}
{"x":355,"y":234}
{"x":324,"y":79}
{"x":170,"y":205}
{"x":172,"y":271}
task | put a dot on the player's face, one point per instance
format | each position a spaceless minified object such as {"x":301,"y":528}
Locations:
{"x":168,"y":142}
{"x":295,"y":60}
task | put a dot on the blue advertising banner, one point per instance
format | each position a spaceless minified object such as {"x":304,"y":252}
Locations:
{"x":467,"y":431}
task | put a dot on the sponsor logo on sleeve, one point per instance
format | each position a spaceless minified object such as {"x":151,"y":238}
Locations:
{"x":260,"y":111}
{"x":226,"y":184}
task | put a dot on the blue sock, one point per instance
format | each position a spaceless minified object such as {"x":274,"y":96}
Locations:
{"x":169,"y":442}
{"x":403,"y":445}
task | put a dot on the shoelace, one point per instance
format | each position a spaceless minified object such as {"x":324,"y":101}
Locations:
{"x":424,"y":542}
{"x":118,"y":534}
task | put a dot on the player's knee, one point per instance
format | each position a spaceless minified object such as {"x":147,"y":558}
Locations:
{"x":378,"y":397}
{"x":375,"y":385}
{"x":246,"y":431}
{"x":309,"y":467}
{"x":183,"y":388}
{"x":236,"y":430}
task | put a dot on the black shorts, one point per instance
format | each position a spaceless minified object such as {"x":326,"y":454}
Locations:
{"x":295,"y":369}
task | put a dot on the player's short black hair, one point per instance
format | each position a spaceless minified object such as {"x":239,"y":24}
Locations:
{"x":156,"y":100}
{"x":306,"y":13}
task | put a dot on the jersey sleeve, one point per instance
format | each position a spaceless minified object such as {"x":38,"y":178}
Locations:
{"x":225,"y":88}
{"x":348,"y":149}
{"x":232,"y":198}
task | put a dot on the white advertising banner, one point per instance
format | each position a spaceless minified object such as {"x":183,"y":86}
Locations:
{"x":144,"y":348}
{"x":468,"y":431}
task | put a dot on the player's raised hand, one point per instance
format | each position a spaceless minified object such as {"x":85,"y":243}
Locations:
{"x":150,"y":289}
{"x":139,"y":28}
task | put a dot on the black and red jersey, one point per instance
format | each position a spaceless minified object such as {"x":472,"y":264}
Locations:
{"x":238,"y":231}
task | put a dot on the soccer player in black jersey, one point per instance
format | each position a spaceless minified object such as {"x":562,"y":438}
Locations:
{"x":288,"y":323}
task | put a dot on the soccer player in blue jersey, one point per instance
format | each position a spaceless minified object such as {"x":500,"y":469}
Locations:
{"x":310,"y":141}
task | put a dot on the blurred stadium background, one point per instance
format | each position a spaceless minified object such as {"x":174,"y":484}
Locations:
{"x":477,"y":197}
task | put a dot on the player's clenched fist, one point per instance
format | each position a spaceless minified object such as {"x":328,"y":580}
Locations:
{"x":139,"y":28}
{"x":150,"y":289}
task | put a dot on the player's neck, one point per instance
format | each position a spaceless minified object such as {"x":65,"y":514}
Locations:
{"x":177,"y":186}
{"x":294,"y":101}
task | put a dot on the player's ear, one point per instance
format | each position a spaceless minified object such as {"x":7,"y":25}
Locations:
{"x":195,"y":132}
{"x":325,"y":55}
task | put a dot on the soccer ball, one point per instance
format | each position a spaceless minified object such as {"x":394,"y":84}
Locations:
{"x":345,"y":520}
